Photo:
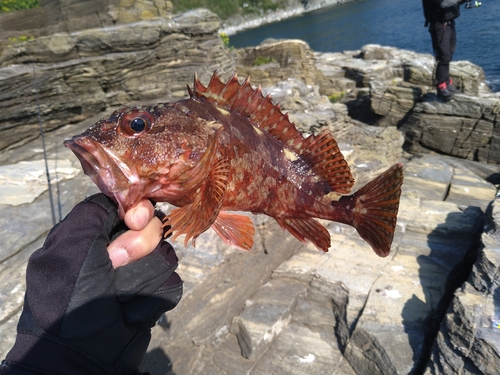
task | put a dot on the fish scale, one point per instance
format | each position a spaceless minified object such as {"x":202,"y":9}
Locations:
{"x":229,"y":148}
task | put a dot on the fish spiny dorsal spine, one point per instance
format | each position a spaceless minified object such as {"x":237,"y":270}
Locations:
{"x":320,"y":151}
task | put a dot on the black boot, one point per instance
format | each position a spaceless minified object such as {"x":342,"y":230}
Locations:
{"x":451,"y":87}
{"x":443,"y":92}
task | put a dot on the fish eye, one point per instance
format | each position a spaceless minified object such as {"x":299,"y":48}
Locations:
{"x":136,"y":123}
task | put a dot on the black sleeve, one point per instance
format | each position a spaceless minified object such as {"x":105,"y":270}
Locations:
{"x":82,"y":316}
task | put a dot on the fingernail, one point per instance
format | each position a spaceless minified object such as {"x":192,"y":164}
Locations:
{"x":119,"y":257}
{"x":140,"y":217}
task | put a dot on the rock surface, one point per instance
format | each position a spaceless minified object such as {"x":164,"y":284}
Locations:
{"x":468,"y":339}
{"x":285,"y":308}
{"x":390,"y":87}
{"x":297,"y":311}
{"x":79,"y":74}
{"x":56,"y":16}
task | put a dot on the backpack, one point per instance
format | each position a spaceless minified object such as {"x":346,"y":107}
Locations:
{"x":434,"y":13}
{"x":431,"y":12}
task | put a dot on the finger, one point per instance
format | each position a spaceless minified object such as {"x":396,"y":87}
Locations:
{"x":135,"y":244}
{"x":140,"y":215}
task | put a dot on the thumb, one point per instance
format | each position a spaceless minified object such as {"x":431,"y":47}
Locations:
{"x":135,"y":244}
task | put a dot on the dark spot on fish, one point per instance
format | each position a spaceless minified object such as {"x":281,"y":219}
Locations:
{"x":138,"y":124}
{"x":300,"y":167}
{"x":157,"y":130}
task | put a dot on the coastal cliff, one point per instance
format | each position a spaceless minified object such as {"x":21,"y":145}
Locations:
{"x":431,"y":307}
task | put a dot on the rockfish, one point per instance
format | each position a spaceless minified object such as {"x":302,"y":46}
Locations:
{"x":229,"y":148}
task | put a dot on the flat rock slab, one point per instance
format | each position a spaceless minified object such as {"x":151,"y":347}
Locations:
{"x":437,"y":175}
{"x":23,"y":182}
{"x":266,"y":314}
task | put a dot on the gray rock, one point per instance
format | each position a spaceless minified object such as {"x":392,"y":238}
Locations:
{"x":404,"y":303}
{"x":286,"y":307}
{"x":82,"y":73}
{"x":291,"y":59}
{"x":468,"y":341}
{"x":461,"y":127}
{"x":436,"y":173}
{"x":265,"y":315}
{"x":55,"y":16}
{"x":395,"y":88}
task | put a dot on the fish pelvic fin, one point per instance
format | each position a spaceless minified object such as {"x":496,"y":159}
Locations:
{"x":235,"y":230}
{"x":376,"y":208}
{"x":196,"y":217}
{"x":307,"y":229}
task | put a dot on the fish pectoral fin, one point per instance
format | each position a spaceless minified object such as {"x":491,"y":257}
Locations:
{"x":236,"y":230}
{"x":196,"y":217}
{"x":307,"y":229}
{"x":194,"y":177}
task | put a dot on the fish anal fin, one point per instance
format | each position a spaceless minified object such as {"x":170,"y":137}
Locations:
{"x":197,"y":216}
{"x":234,"y":229}
{"x":322,"y":154}
{"x":307,"y":229}
{"x":376,"y":209}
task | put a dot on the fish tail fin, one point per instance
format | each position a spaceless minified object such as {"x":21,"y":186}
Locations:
{"x":376,"y":208}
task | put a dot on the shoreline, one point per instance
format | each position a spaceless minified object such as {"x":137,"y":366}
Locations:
{"x":234,"y":25}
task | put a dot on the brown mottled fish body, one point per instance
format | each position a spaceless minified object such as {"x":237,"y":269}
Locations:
{"x":227,"y":148}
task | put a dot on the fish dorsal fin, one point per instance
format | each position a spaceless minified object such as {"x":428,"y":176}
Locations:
{"x":250,"y":103}
{"x":320,"y":152}
{"x":323,"y":155}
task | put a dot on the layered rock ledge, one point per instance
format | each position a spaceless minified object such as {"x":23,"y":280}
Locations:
{"x":431,"y":307}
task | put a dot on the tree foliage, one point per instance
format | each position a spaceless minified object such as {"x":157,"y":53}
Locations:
{"x":11,"y":5}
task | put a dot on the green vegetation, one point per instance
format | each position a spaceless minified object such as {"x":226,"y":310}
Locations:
{"x":334,"y":98}
{"x":11,"y":5}
{"x":226,"y":8}
{"x":262,"y":60}
{"x":20,"y":39}
{"x":225,"y":39}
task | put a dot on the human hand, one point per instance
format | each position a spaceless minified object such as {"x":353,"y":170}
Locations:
{"x":83,"y":316}
{"x":145,"y":231}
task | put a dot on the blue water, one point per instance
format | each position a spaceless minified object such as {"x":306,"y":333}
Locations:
{"x":396,"y":23}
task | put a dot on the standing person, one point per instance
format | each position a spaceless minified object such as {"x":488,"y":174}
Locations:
{"x":440,"y":17}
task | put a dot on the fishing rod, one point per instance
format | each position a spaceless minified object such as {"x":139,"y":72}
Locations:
{"x":472,"y":4}
{"x":42,"y":134}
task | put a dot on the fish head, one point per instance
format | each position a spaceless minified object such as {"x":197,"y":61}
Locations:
{"x":140,"y":152}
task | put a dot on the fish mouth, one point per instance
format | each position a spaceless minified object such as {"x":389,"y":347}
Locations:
{"x":112,"y":176}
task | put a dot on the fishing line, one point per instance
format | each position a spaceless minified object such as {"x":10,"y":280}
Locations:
{"x":58,"y":190}
{"x":42,"y":134}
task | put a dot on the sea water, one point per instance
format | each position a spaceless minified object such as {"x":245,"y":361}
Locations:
{"x":395,"y":23}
